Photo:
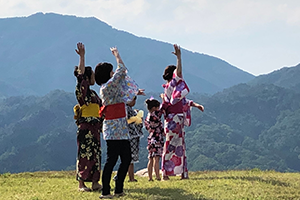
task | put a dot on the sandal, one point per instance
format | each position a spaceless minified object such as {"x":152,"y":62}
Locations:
{"x":158,"y":179}
{"x":108,"y":196}
{"x":84,"y":189}
{"x":119,"y":194}
{"x":150,"y":179}
{"x":134,"y":180}
{"x":99,"y":187}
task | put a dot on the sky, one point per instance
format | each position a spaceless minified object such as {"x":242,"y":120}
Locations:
{"x":257,"y":36}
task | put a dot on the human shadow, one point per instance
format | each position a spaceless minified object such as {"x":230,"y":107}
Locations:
{"x":271,"y":181}
{"x":168,"y":193}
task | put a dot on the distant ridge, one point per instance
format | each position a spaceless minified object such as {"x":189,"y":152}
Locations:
{"x":37,"y":56}
{"x":287,"y":77}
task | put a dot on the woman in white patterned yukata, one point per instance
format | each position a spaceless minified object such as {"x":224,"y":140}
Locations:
{"x":177,"y":115}
{"x":89,"y":126}
{"x":116,"y":89}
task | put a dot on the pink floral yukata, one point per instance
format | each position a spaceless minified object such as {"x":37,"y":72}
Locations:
{"x":177,"y":115}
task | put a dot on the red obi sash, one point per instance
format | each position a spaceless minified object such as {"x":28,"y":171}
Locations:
{"x":113,"y":111}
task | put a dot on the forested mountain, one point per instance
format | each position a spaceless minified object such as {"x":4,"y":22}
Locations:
{"x":246,"y":127}
{"x":287,"y":77}
{"x":37,"y":56}
{"x":242,"y":127}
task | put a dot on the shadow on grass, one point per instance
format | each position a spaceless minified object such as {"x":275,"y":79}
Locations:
{"x":168,"y":193}
{"x":271,"y":181}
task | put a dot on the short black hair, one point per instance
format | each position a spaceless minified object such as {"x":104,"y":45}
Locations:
{"x":102,"y":72}
{"x":152,"y":103}
{"x":168,"y":73}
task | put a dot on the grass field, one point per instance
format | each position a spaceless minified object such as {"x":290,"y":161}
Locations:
{"x":208,"y":185}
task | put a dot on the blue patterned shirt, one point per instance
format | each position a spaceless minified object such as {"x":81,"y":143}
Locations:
{"x":111,"y":93}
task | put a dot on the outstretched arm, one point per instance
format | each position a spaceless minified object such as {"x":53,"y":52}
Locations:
{"x":115,"y":52}
{"x":177,"y":53}
{"x":141,"y":92}
{"x":200,"y":107}
{"x":81,"y":52}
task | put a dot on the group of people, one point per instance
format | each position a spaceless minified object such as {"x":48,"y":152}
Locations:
{"x":112,"y":114}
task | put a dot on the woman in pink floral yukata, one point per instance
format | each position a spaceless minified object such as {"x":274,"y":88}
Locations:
{"x":177,"y":115}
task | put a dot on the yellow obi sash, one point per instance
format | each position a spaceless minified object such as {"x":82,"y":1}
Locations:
{"x":91,"y":110}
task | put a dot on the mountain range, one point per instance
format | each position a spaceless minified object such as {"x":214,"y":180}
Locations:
{"x":37,"y":56}
{"x":244,"y":126}
{"x":248,"y":122}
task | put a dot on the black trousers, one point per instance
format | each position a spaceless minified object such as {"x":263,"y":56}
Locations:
{"x":116,"y":148}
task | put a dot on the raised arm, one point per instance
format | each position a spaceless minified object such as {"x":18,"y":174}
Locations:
{"x":81,"y":52}
{"x":177,"y":53}
{"x":115,"y":52}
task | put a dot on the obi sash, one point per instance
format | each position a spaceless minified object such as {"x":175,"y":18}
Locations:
{"x":90,"y":110}
{"x":113,"y":111}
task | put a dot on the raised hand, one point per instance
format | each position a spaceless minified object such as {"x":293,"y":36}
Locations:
{"x":177,"y":51}
{"x":141,"y":92}
{"x":115,"y":52}
{"x":80,"y":49}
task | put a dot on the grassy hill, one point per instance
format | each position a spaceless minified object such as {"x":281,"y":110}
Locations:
{"x":204,"y":185}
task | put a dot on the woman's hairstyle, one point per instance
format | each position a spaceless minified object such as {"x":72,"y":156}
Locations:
{"x":168,"y":73}
{"x":102,"y":72}
{"x":87,"y":72}
{"x":152,"y":103}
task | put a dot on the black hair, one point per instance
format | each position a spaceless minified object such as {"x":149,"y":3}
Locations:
{"x":168,"y":73}
{"x":102,"y":72}
{"x":87,"y":72}
{"x":152,"y":103}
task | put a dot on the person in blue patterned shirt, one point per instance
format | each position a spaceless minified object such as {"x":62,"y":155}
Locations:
{"x":115,"y":89}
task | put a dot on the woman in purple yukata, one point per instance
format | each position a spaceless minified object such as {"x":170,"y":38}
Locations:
{"x":177,"y":115}
{"x":116,"y":89}
{"x":89,"y":124}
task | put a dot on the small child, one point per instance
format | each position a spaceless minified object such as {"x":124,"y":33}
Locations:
{"x":135,"y":125}
{"x":154,"y":126}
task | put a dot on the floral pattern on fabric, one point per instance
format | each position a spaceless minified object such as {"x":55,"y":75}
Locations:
{"x":88,"y":135}
{"x":154,"y":126}
{"x":113,"y":92}
{"x":175,"y":90}
{"x":135,"y":131}
{"x":129,"y":89}
{"x":174,"y":152}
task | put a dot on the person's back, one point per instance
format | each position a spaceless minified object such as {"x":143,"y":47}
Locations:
{"x":115,"y":127}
